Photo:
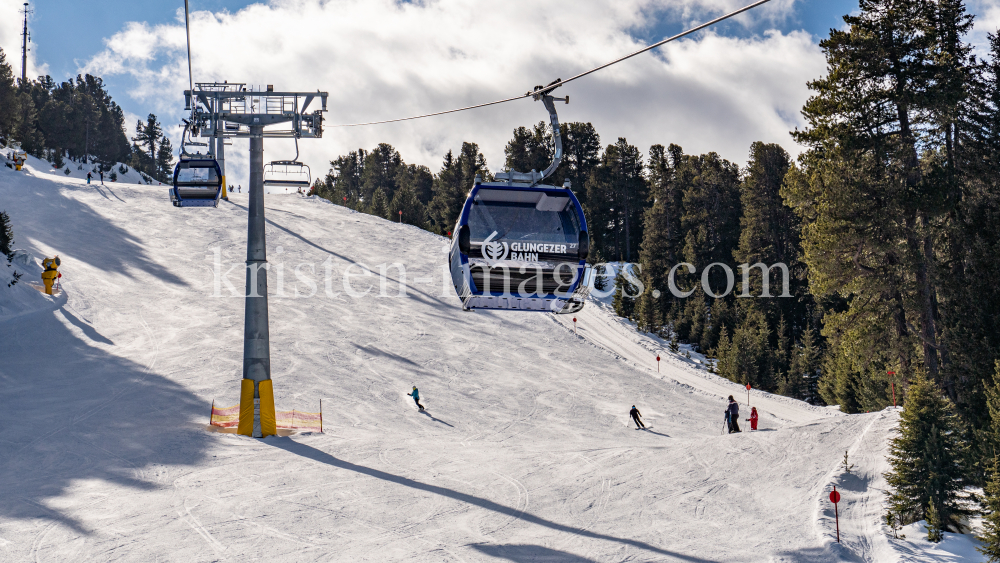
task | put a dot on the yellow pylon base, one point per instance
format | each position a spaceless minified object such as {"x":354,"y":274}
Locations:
{"x":268,"y":421}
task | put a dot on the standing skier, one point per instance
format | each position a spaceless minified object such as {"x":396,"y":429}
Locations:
{"x":733,"y":415}
{"x":416,"y":397}
{"x":89,"y":176}
{"x":101,"y":172}
{"x":634,"y":413}
{"x":753,"y":418}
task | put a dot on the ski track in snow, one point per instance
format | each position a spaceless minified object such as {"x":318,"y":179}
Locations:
{"x":525,"y":452}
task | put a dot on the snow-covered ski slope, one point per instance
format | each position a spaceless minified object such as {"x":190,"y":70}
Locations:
{"x":525,"y":453}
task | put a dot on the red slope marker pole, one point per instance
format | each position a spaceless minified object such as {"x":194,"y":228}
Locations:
{"x":574,"y":325}
{"x":835,"y":498}
{"x":657,"y":363}
{"x":748,"y":394}
{"x":400,"y":217}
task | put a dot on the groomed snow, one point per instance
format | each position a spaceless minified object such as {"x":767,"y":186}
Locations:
{"x":525,"y":453}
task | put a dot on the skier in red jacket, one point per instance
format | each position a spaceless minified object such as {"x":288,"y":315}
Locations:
{"x":753,"y":418}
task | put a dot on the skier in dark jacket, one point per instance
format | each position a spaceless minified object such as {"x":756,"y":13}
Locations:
{"x":733,"y":415}
{"x":416,"y":397}
{"x":634,"y":413}
{"x":89,"y":176}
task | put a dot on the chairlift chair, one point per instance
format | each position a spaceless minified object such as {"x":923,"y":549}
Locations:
{"x":287,"y":173}
{"x":520,"y":244}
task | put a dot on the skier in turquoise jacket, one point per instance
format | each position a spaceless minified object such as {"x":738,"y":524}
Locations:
{"x":416,"y":397}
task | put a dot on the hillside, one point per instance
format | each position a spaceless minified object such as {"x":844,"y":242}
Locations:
{"x":525,"y":453}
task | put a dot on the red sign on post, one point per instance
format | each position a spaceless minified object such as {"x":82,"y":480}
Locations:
{"x":835,"y":498}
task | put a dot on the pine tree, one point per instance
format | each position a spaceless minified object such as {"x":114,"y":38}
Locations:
{"x":452,"y":184}
{"x":380,"y":172}
{"x":969,"y":294}
{"x":804,"y":370}
{"x":746,"y":358}
{"x":661,"y":244}
{"x":10,"y":111}
{"x":418,"y":179}
{"x":617,"y":199}
{"x":934,"y":531}
{"x":991,"y":431}
{"x":343,"y":183}
{"x":406,"y":201}
{"x":581,"y":155}
{"x":925,"y":459}
{"x":379,"y":206}
{"x":165,"y":161}
{"x":990,"y":534}
{"x":149,"y":137}
{"x":770,"y":235}
{"x":877,"y":180}
{"x":530,"y":149}
{"x":626,"y":294}
{"x":6,"y":235}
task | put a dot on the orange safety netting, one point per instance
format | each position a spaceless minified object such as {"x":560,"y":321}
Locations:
{"x":298,"y":420}
{"x":229,"y":417}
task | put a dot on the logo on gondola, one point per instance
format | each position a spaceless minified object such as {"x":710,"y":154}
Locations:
{"x":495,"y":250}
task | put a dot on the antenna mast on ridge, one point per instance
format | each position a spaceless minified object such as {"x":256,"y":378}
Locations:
{"x":25,"y":39}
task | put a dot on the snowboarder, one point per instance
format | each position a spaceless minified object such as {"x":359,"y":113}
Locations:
{"x":634,"y":413}
{"x":733,"y":415}
{"x":88,"y":177}
{"x":753,"y":418}
{"x":416,"y":397}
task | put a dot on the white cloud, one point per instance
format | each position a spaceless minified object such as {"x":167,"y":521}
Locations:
{"x":381,"y":59}
{"x":987,"y":21}
{"x":11,"y":25}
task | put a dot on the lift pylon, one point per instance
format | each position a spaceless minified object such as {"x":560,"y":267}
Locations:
{"x":228,"y":110}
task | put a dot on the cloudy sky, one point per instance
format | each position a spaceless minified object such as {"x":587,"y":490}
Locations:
{"x":718,"y":90}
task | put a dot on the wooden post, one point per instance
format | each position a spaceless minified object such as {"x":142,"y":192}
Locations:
{"x":321,"y":416}
{"x":211,"y":414}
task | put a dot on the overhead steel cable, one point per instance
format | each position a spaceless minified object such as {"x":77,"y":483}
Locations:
{"x":559,"y":83}
{"x":187,"y":29}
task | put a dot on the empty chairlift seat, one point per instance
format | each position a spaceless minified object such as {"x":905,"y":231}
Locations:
{"x":287,"y":174}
